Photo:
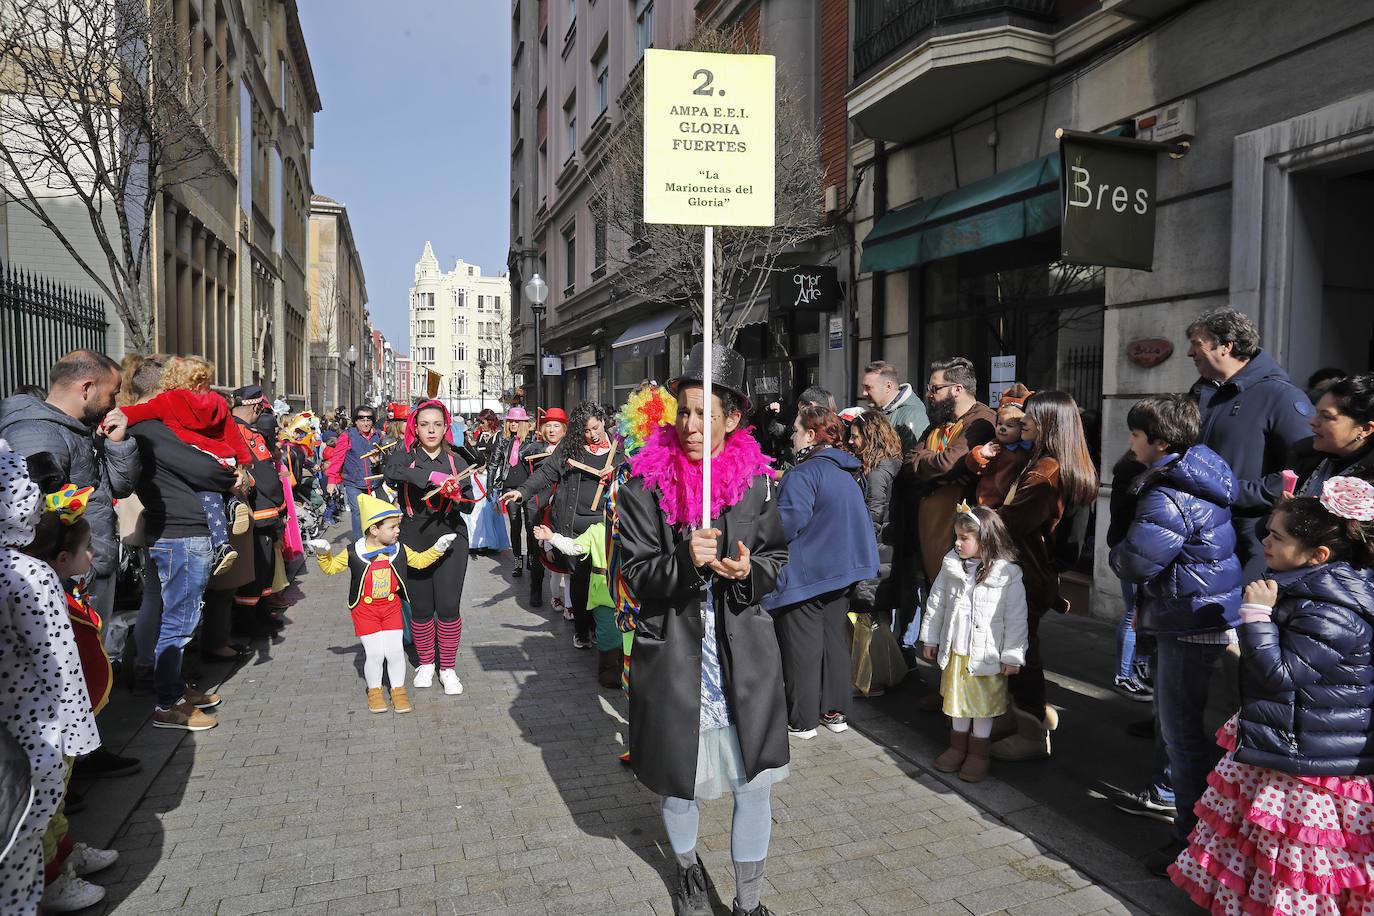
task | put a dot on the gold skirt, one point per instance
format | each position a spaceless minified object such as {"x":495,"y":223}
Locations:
{"x":969,"y":696}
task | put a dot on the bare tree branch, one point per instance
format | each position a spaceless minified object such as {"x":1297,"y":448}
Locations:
{"x":101,"y":104}
{"x":663,"y":263}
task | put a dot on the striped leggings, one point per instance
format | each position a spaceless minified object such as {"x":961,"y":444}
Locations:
{"x":435,"y":595}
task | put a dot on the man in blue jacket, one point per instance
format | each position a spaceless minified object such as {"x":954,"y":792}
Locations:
{"x":1180,"y":551}
{"x":1252,"y":416}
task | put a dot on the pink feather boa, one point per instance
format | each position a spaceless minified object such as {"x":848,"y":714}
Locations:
{"x":665,"y":469}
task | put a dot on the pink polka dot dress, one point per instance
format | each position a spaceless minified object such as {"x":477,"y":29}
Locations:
{"x":1268,"y":842}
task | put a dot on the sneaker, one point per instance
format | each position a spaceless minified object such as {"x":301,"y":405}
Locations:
{"x":1157,"y":863}
{"x":1141,"y":670}
{"x":581,"y":642}
{"x":1132,"y":689}
{"x":835,"y":721}
{"x":1146,"y":804}
{"x":517,"y":572}
{"x":102,"y":763}
{"x":804,"y":734}
{"x":87,"y":860}
{"x":184,"y":717}
{"x":449,"y":678}
{"x":69,"y":893}
{"x":239,"y":516}
{"x":223,"y":559}
{"x":567,"y":613}
{"x":691,"y":896}
{"x":200,"y":700}
{"x":424,"y":676}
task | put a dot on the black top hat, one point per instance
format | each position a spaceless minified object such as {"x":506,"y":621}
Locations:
{"x":727,"y":371}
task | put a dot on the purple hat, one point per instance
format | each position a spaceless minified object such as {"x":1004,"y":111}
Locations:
{"x":518,"y":414}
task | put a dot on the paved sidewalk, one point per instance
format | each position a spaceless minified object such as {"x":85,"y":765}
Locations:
{"x":508,"y":799}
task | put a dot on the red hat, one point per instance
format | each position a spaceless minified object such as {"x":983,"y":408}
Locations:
{"x":554,"y":413}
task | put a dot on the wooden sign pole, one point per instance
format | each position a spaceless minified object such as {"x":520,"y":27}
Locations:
{"x":708,"y":346}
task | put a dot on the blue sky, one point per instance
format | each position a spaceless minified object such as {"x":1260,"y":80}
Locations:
{"x":414,"y":137}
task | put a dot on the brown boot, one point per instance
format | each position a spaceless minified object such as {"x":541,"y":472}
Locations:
{"x":1031,"y":741}
{"x":400,"y":700}
{"x":953,"y":757}
{"x":375,"y":701}
{"x":976,"y":764}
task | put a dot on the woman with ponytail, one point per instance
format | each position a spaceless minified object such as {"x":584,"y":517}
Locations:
{"x":1287,"y":825}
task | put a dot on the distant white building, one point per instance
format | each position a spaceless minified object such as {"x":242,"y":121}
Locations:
{"x":460,"y":329}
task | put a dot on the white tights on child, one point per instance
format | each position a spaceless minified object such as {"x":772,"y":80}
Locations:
{"x":384,"y":646}
{"x":982,"y":726}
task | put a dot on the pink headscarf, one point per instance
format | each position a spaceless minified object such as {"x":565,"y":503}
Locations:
{"x":411,"y":436}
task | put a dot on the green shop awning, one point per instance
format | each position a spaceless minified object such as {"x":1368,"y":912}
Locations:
{"x":1012,"y":205}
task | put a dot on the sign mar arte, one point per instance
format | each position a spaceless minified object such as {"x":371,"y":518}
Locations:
{"x":708,"y":138}
{"x":1108,"y":195}
{"x":805,"y":288}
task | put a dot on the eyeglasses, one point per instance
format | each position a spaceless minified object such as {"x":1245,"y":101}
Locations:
{"x":934,"y":389}
{"x":366,"y":418}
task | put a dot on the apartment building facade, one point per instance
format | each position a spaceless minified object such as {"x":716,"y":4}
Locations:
{"x":955,"y":175}
{"x":571,"y":66}
{"x":227,"y":249}
{"x":338,"y":310}
{"x":460,"y":330}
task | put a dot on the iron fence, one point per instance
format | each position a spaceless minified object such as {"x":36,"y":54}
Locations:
{"x":883,"y":26}
{"x":41,"y":321}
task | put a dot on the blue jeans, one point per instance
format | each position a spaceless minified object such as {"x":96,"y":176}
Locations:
{"x":1125,"y":634}
{"x":183,"y":569}
{"x":1183,"y":671}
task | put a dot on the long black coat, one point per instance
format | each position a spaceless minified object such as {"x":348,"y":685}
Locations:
{"x":665,"y":689}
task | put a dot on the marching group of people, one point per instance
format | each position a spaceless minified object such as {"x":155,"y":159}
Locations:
{"x":1242,"y":520}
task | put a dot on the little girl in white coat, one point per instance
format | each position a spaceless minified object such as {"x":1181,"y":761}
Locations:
{"x":975,"y":621}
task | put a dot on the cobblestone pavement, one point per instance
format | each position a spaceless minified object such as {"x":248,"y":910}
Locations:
{"x":509,"y":799}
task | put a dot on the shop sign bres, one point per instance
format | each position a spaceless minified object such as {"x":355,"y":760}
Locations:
{"x":1108,"y":194}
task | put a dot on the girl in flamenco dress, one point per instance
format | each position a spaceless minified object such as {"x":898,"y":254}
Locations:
{"x":1287,"y":823}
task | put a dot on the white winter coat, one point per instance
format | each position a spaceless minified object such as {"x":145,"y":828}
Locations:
{"x":998,"y":632}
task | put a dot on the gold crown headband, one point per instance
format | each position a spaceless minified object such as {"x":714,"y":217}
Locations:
{"x":963,"y":508}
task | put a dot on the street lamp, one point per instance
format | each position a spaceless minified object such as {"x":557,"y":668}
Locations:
{"x":351,"y":357}
{"x":482,"y":392}
{"x":537,"y":291}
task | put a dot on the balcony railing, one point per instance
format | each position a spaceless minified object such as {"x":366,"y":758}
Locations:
{"x":882,"y":27}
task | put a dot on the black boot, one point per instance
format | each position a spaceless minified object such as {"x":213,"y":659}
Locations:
{"x":691,"y":896}
{"x":519,"y":569}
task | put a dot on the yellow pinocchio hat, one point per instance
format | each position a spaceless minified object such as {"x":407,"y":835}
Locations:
{"x":373,"y":510}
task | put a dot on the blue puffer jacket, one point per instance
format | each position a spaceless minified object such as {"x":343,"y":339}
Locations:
{"x":1307,"y":679}
{"x":830,"y":540}
{"x":1181,"y":547}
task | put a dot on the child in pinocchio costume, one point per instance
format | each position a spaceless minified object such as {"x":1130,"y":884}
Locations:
{"x":377,"y":564}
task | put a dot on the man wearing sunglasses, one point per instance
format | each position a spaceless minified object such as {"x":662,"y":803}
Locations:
{"x":347,"y":466}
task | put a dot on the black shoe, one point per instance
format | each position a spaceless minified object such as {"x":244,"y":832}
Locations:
{"x":519,"y":570}
{"x":760,"y":910}
{"x":536,"y":598}
{"x":1145,"y":804}
{"x":101,"y":763}
{"x":691,"y":897}
{"x":74,"y":803}
{"x":1141,"y":728}
{"x":1157,"y":863}
{"x":835,"y":721}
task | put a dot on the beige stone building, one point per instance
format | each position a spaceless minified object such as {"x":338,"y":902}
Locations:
{"x":337,"y":292}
